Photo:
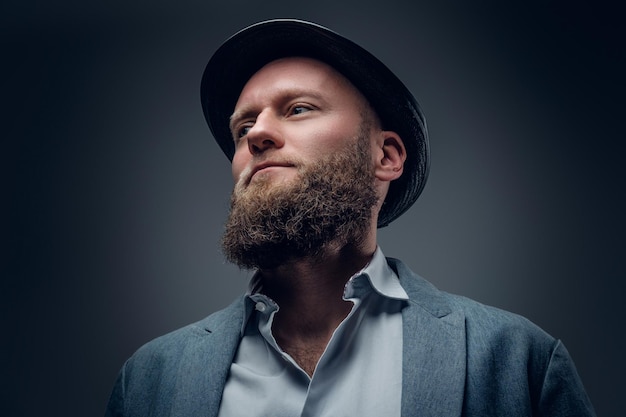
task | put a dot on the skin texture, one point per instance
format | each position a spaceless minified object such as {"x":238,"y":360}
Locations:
{"x":293,"y":114}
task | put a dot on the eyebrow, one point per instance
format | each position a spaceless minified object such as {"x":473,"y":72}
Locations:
{"x":250,"y":112}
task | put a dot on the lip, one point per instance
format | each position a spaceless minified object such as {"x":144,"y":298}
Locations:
{"x":267,"y":164}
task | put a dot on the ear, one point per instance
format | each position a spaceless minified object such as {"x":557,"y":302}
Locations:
{"x":390,"y":156}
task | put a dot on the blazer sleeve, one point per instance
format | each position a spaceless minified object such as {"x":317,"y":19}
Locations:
{"x":562,"y":392}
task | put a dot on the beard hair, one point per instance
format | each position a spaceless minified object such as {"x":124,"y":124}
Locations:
{"x":328,"y":203}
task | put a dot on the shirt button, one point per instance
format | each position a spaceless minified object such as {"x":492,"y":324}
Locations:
{"x":260,"y":306}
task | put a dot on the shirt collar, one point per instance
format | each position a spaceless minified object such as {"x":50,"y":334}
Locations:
{"x":376,"y":275}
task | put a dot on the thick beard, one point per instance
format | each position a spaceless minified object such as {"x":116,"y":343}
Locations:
{"x":329,"y":203}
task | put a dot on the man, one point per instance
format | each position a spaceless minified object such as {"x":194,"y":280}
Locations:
{"x":327,"y":145}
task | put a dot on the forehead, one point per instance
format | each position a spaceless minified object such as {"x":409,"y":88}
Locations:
{"x":298,"y":73}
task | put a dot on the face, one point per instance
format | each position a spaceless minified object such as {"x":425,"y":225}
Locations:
{"x":303,"y":165}
{"x":292,"y":112}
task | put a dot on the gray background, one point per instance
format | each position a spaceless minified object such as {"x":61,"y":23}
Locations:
{"x":115,"y":193}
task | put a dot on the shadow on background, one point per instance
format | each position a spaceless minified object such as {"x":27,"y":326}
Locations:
{"x":116,"y":192}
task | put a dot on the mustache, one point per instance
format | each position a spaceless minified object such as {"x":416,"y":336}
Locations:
{"x":256,"y":165}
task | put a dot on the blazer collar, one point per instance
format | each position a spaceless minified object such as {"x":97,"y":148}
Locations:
{"x":205,"y":363}
{"x":434,"y":349}
{"x":434,"y":354}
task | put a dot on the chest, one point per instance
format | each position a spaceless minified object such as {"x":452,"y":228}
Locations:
{"x":306,"y":356}
{"x":358,"y":372}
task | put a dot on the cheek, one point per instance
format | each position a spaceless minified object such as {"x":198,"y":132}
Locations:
{"x":238,"y":165}
{"x":326,"y":141}
{"x":338,"y":132}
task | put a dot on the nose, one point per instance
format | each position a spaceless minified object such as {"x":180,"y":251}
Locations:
{"x":264,"y":134}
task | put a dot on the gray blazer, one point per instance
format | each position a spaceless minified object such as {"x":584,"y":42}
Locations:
{"x":460,"y":358}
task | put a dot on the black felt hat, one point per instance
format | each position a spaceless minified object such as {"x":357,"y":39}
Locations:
{"x":247,"y":51}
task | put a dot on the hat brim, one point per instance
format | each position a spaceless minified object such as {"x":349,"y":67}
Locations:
{"x":244,"y":53}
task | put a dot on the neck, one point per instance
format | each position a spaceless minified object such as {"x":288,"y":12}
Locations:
{"x":310,"y":292}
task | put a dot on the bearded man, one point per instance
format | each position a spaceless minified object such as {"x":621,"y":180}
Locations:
{"x":327,"y":146}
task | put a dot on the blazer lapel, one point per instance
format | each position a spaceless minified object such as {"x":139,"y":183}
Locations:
{"x":434,"y":353}
{"x":205,"y":364}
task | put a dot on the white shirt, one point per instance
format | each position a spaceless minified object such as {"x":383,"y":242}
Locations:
{"x":359,"y":373}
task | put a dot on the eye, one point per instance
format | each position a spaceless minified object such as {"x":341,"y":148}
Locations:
{"x":300,"y":109}
{"x":242,"y":131}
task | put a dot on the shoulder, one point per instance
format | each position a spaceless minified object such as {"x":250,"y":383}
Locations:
{"x":484,"y":324}
{"x":490,"y":324}
{"x":216,"y":329}
{"x":510,"y":361}
{"x":164,"y":374}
